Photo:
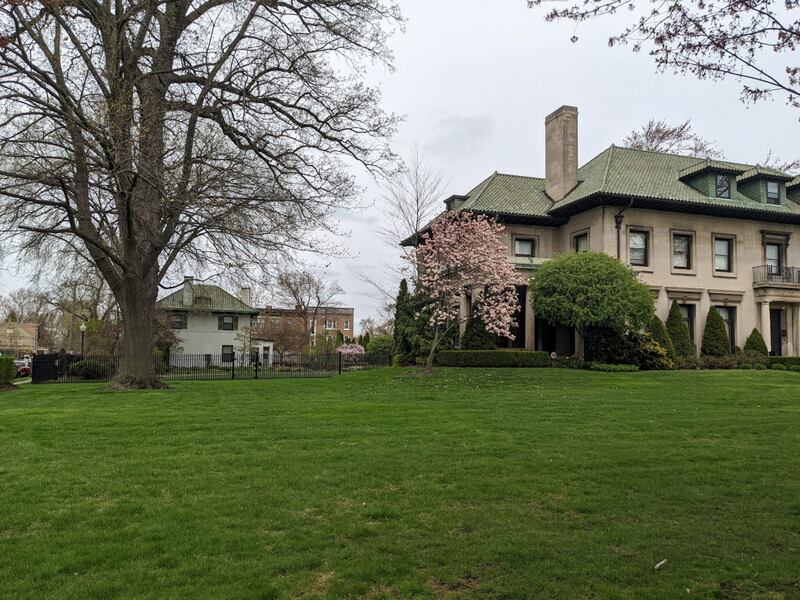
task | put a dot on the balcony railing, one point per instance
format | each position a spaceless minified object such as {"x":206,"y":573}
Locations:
{"x":765,"y":275}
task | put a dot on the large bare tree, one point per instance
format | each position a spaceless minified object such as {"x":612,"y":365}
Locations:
{"x":751,"y":41}
{"x":660,"y":136}
{"x":308,"y":294}
{"x":144,"y":133}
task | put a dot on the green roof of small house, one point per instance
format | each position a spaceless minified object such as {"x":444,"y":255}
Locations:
{"x":628,"y":174}
{"x":206,"y":298}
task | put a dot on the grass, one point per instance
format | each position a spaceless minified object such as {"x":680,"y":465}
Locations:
{"x":471,"y":484}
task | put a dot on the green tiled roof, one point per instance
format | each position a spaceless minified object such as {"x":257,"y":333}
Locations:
{"x":793,"y":182}
{"x":763,"y":171}
{"x":206,"y":298}
{"x":509,"y":194}
{"x":698,"y":165}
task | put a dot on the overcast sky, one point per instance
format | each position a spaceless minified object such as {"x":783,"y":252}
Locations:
{"x":475,"y":80}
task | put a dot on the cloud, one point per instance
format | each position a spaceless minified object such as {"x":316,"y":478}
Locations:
{"x":459,"y":135}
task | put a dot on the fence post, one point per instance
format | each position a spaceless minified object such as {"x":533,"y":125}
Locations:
{"x":340,"y":362}
{"x":233,"y":365}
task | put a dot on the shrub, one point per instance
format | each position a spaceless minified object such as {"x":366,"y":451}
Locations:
{"x":785,"y":360}
{"x":493,"y":358}
{"x":750,"y":358}
{"x":678,"y":333}
{"x":606,"y":368}
{"x":658,"y":332}
{"x":633,"y":348}
{"x":778,"y":367}
{"x":687,"y":363}
{"x":760,"y":367}
{"x":475,"y":335}
{"x":755,"y":343}
{"x":89,"y":369}
{"x":715,"y":336}
{"x":8,"y":371}
{"x":795,"y":368}
{"x":717,"y":362}
{"x":404,"y":325}
{"x":569,"y":362}
{"x":381,"y":344}
{"x":397,"y":360}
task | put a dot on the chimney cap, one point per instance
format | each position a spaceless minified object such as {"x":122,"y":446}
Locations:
{"x":562,"y":109}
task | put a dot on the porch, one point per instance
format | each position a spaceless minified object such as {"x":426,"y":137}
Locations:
{"x":777,"y":291}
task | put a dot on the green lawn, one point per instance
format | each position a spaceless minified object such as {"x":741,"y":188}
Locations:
{"x":476,"y":483}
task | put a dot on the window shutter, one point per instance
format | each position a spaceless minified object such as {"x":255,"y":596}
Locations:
{"x":235,"y":323}
{"x":219,"y":322}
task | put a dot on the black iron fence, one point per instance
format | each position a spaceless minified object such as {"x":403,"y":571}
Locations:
{"x":72,"y":368}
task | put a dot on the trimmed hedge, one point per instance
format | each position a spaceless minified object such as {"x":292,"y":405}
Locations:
{"x":493,"y":358}
{"x":8,"y":371}
{"x":679,"y":333}
{"x":778,"y":367}
{"x":715,"y":336}
{"x":607,"y":368}
{"x":785,"y":360}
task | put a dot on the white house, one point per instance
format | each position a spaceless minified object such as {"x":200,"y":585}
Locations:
{"x":213,"y":326}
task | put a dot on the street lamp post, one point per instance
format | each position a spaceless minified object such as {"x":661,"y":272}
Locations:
{"x":83,"y":333}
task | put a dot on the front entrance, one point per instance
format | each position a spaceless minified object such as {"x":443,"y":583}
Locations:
{"x":775,"y":328}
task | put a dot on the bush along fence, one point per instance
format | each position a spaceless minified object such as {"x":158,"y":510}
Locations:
{"x":70,"y":368}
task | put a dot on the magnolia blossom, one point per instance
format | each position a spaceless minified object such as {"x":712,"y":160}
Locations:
{"x":350,"y":349}
{"x":467,"y":250}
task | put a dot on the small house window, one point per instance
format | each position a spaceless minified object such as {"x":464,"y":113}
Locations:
{"x":523,"y":247}
{"x":330,"y":325}
{"x":178,"y":320}
{"x":723,"y":255}
{"x":227,"y":354}
{"x":580,"y":243}
{"x":347,"y":324}
{"x":637,"y":248}
{"x":313,"y":327}
{"x":773,"y":192}
{"x":227,"y":323}
{"x":723,"y":186}
{"x":682,"y":251}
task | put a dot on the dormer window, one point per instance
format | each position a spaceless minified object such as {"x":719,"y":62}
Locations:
{"x":773,"y":192}
{"x":724,"y":186}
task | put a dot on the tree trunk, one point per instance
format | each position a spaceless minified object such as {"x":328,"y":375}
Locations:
{"x":437,"y":338}
{"x":137,"y":302}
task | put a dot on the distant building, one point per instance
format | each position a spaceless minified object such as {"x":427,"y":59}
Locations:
{"x":328,"y":320}
{"x":212,"y":322}
{"x":19,"y":337}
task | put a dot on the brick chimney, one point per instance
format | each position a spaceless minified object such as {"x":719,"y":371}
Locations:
{"x":561,"y":152}
{"x":188,"y":291}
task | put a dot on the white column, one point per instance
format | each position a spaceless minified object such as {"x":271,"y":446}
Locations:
{"x":530,"y":322}
{"x":765,"y":325}
{"x":463,"y":313}
{"x":790,"y":327}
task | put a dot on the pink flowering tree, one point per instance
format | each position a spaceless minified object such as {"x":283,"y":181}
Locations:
{"x":348,"y":350}
{"x":466,"y":250}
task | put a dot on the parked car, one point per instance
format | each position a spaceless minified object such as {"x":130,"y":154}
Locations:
{"x":23,"y":368}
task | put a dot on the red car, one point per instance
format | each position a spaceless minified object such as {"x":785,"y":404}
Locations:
{"x":23,"y":368}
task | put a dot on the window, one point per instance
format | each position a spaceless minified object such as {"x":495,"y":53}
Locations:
{"x":313,"y":327}
{"x":347,"y":325}
{"x":178,"y":320}
{"x":728,"y":314}
{"x":227,"y":323}
{"x":637,"y":248}
{"x":330,"y":324}
{"x":772,"y":256}
{"x":687,"y":312}
{"x":227,"y":354}
{"x":580,"y":243}
{"x":723,"y":255}
{"x":523,"y":247}
{"x":773,"y":192}
{"x":723,"y":186}
{"x":682,"y":251}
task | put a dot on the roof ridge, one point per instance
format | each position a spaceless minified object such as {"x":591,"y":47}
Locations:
{"x":519,"y":176}
{"x":485,"y":184}
{"x":610,"y":151}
